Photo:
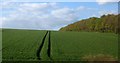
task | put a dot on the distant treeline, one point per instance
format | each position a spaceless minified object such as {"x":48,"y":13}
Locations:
{"x":106,"y":23}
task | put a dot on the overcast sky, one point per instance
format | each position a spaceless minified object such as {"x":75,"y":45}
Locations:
{"x":51,"y":16}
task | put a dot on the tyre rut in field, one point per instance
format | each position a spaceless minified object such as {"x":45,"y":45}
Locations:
{"x":40,"y":48}
{"x":49,"y":46}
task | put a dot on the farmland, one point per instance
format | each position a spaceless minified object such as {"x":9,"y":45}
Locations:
{"x":75,"y":45}
{"x":23,"y":44}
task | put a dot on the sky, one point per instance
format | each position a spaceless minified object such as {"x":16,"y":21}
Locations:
{"x":51,"y":15}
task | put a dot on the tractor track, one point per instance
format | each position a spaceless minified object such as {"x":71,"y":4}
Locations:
{"x":41,"y":46}
{"x":49,"y":46}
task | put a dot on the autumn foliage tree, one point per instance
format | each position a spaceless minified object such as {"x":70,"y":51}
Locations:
{"x":106,"y":23}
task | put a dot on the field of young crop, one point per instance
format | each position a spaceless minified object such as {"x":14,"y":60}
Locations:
{"x":20,"y":44}
{"x":76,"y":45}
{"x":30,"y":44}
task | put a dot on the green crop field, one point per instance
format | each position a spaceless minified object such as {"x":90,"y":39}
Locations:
{"x":24,"y":44}
{"x":20,"y":44}
{"x":75,"y":45}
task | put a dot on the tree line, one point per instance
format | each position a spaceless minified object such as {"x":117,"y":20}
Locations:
{"x":106,"y":23}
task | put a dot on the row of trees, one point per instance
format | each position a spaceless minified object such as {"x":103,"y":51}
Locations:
{"x":106,"y":23}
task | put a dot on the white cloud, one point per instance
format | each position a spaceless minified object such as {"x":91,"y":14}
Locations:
{"x":41,"y":16}
{"x":101,"y":2}
{"x":62,"y":12}
{"x":6,"y":4}
{"x":34,"y":5}
{"x":81,"y":8}
{"x":2,"y":20}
